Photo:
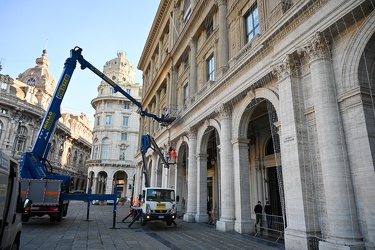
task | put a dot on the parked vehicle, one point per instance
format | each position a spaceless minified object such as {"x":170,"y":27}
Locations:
{"x":159,"y":204}
{"x":11,"y":206}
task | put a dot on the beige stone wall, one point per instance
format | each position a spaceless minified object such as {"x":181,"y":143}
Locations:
{"x":308,"y":64}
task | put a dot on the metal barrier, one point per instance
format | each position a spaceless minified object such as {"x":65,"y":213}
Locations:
{"x":273,"y":224}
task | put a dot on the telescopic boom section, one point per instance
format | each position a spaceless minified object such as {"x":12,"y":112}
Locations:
{"x":86,"y":64}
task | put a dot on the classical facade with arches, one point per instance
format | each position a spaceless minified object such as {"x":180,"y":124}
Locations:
{"x":273,"y":102}
{"x":116,"y":131}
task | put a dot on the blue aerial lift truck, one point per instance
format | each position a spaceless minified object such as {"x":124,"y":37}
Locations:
{"x":49,"y":192}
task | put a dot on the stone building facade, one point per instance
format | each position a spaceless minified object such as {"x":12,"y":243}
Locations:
{"x":274,"y":102}
{"x":116,"y":131}
{"x":23,"y":103}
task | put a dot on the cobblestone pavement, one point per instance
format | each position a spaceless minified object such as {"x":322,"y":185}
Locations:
{"x":103,"y":230}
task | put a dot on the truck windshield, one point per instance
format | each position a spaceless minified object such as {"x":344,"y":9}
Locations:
{"x":160,"y":195}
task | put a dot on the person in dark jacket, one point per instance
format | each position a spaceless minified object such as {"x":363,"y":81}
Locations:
{"x":258,"y":209}
{"x":268,"y":211}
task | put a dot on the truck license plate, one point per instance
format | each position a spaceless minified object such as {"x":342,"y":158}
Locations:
{"x":161,"y":217}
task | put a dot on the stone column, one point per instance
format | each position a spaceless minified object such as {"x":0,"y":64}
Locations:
{"x":189,"y":216}
{"x":193,"y":68}
{"x":223,"y":38}
{"x":242,"y":186}
{"x":297,"y":176}
{"x":109,"y":185}
{"x":156,"y":107}
{"x":160,"y":51}
{"x":340,"y":223}
{"x":95,"y":185}
{"x":202,"y":215}
{"x":173,"y":90}
{"x":152,"y":174}
{"x":226,"y":221}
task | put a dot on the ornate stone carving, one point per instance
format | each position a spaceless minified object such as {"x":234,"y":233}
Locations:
{"x":317,"y":48}
{"x":192,"y":132}
{"x":285,"y":68}
{"x":225,"y":111}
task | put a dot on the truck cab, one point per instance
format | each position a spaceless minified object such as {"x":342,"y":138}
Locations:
{"x":159,"y":204}
{"x":10,"y":203}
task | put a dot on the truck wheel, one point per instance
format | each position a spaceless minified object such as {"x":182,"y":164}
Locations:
{"x":52,"y":218}
{"x":143,"y":220}
{"x":25,"y":217}
{"x":59,"y":215}
{"x":65,"y":210}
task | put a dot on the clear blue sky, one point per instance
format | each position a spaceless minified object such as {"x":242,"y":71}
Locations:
{"x":100,"y":28}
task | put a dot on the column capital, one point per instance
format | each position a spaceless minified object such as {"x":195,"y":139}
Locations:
{"x":192,"y":133}
{"x":224,"y":110}
{"x":285,"y":68}
{"x":317,"y":48}
{"x":193,"y":41}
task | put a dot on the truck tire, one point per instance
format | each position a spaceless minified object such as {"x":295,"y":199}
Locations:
{"x":143,"y":220}
{"x":65,"y":211}
{"x":60,"y":213}
{"x":25,"y":217}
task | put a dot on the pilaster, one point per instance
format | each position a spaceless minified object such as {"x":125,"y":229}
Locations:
{"x":223,"y":38}
{"x":193,"y":68}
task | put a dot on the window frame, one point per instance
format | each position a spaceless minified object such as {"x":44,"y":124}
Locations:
{"x":255,"y":29}
{"x":210,"y":68}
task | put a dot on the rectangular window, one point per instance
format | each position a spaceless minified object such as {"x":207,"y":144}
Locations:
{"x":128,"y":91}
{"x":111,"y":91}
{"x":252,"y":23}
{"x":124,"y":136}
{"x":187,"y":10}
{"x":211,"y":68}
{"x":4,"y":86}
{"x":126,"y":106}
{"x":185,"y":92}
{"x":97,"y":120}
{"x":125,"y":121}
{"x":105,"y":152}
{"x":108,"y":120}
{"x":209,"y":28}
{"x":186,"y":62}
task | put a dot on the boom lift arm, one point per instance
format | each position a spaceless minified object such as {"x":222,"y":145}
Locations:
{"x":148,"y":142}
{"x":33,"y":162}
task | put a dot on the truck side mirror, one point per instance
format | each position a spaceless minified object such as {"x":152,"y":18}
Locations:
{"x":177,"y":198}
{"x":26,"y":205}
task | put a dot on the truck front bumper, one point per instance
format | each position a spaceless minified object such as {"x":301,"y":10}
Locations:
{"x":164,"y":217}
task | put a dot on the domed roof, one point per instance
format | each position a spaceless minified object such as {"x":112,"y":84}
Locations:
{"x":39,"y":75}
